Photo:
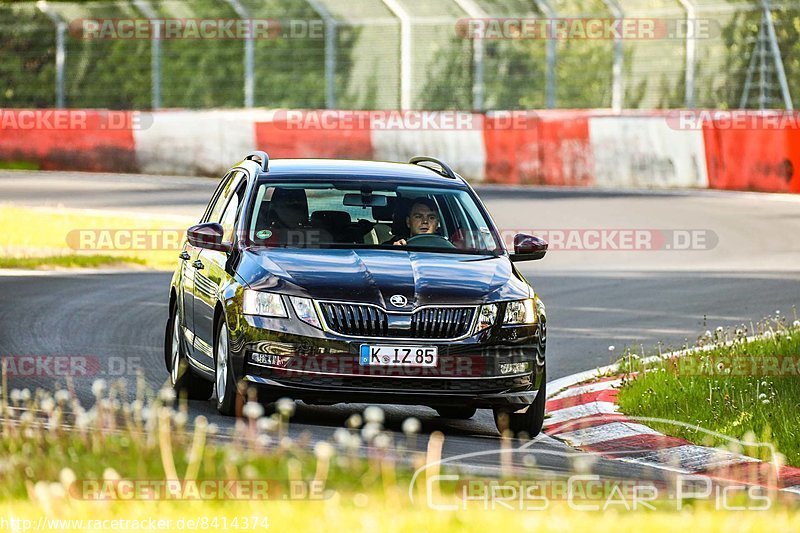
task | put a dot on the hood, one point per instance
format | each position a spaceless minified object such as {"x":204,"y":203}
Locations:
{"x":375,"y":275}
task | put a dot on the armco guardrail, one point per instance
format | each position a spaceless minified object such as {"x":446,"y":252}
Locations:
{"x":736,"y":150}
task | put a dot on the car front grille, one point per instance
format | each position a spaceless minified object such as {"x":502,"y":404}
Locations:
{"x":361,"y":320}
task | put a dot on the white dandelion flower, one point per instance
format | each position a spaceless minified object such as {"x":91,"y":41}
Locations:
{"x":370,"y":431}
{"x":48,"y":405}
{"x":374,"y":414}
{"x":253,"y":410}
{"x":354,"y":421}
{"x":62,"y":396}
{"x":323,"y":450}
{"x":266,"y":424}
{"x":285,"y":407}
{"x":98,"y":387}
{"x":383,"y":441}
{"x":166,"y":395}
{"x":341,"y":436}
{"x":411,"y":426}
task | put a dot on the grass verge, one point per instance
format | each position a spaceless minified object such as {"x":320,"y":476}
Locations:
{"x":745,"y":390}
{"x":66,"y":467}
{"x":73,"y":238}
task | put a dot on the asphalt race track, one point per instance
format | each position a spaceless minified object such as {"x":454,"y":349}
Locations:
{"x":594,"y":298}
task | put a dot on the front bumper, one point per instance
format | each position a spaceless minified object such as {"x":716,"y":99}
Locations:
{"x":499,"y":367}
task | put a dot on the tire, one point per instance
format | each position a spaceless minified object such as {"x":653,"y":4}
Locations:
{"x":184,"y":382}
{"x":224,"y":384}
{"x":530,"y":422}
{"x":460,"y":413}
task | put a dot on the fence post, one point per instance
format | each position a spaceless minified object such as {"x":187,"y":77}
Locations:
{"x":155,"y":52}
{"x":691,"y":50}
{"x":405,"y":51}
{"x":249,"y":69}
{"x":61,"y":51}
{"x":331,"y":26}
{"x":550,"y":88}
{"x":776,"y":55}
{"x":473,"y":10}
{"x":617,"y":88}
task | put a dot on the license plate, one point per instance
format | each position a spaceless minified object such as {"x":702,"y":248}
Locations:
{"x":392,"y":355}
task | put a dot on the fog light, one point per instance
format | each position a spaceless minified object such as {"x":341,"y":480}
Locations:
{"x":269,"y":359}
{"x":514,"y":368}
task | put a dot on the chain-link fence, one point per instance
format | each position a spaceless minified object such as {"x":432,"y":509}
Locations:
{"x":390,"y":54}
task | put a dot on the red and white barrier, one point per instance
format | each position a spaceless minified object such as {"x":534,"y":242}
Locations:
{"x":659,"y":149}
{"x":75,"y":139}
{"x":645,"y":152}
{"x":586,"y":415}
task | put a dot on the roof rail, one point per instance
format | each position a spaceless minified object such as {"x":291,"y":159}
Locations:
{"x":445,"y":171}
{"x":259,"y":157}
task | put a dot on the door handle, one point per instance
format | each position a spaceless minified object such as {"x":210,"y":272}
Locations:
{"x":184,"y":255}
{"x":198,"y":264}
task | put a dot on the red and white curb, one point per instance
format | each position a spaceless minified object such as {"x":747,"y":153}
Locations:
{"x":585,"y":415}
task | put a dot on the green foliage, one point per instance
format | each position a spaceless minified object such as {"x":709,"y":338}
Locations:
{"x":739,"y":37}
{"x":68,"y":261}
{"x":290,"y":69}
{"x":27,"y":61}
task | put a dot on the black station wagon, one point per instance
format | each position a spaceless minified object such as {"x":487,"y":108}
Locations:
{"x":331,"y":281}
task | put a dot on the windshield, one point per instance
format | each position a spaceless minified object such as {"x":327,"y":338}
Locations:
{"x":355,"y":215}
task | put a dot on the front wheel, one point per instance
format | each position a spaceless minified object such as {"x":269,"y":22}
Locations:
{"x":530,"y":422}
{"x":224,"y":384}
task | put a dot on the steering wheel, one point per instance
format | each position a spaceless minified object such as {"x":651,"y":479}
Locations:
{"x":429,"y":240}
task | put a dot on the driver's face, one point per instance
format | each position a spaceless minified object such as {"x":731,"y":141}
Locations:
{"x":422,"y":220}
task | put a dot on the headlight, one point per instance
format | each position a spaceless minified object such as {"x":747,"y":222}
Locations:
{"x":263,"y":304}
{"x":305,"y":311}
{"x":520,"y":312}
{"x":486,"y":316}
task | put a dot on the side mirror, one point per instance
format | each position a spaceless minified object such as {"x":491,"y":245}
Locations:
{"x":208,"y":236}
{"x":528,"y":248}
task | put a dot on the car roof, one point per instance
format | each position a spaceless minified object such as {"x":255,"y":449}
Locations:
{"x":352,"y":170}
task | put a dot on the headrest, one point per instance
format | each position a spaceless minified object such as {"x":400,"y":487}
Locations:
{"x":331,"y":219}
{"x":288,"y":207}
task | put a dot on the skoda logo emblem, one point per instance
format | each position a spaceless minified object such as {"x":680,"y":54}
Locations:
{"x":398,"y":300}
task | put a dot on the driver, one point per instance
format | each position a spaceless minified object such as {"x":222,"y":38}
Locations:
{"x":422,"y":219}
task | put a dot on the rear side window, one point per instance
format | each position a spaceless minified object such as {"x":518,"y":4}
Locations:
{"x":223,"y":194}
{"x":228,"y":217}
